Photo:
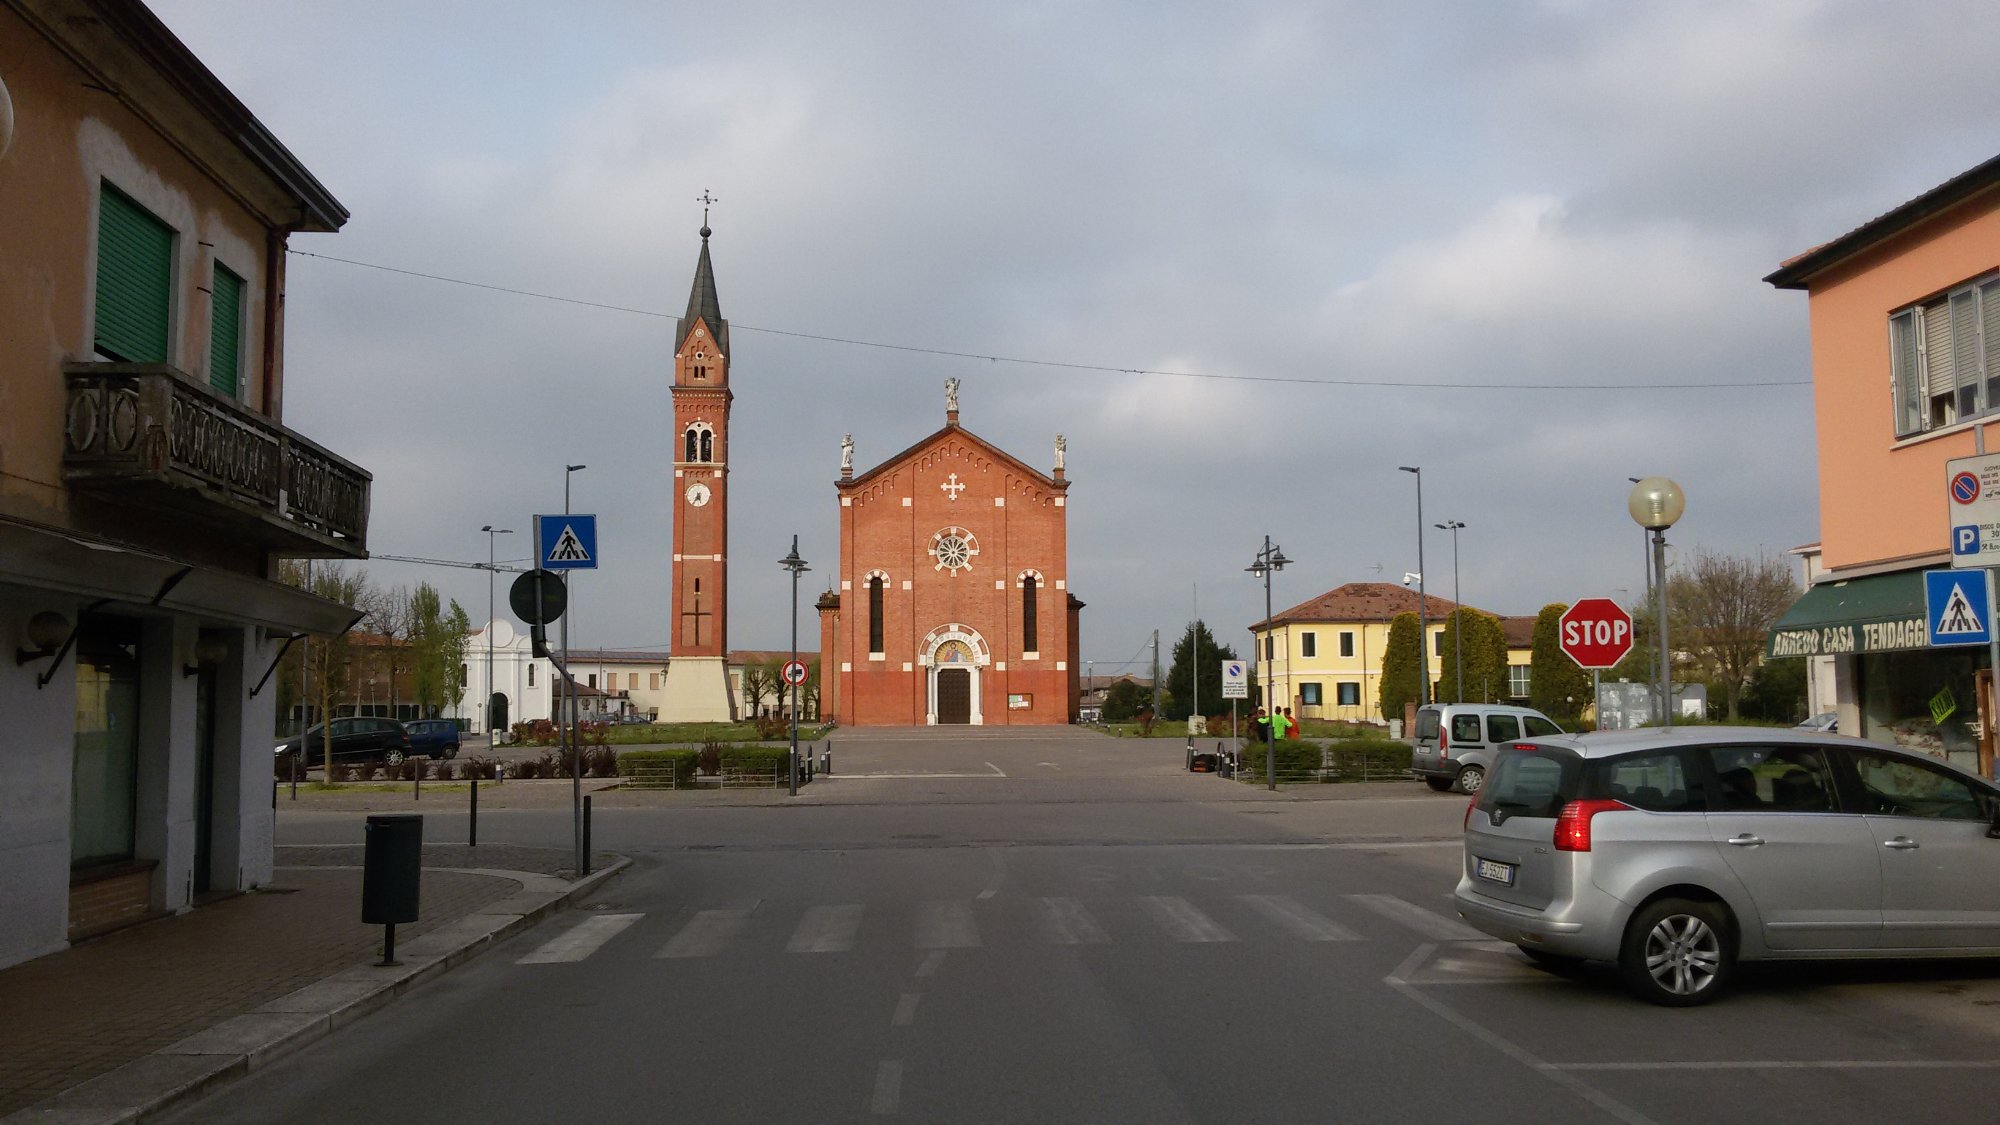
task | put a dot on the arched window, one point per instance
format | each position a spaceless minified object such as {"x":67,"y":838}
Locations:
{"x":691,"y":446}
{"x":707,"y":446}
{"x":876,"y":584}
{"x":1028,"y":635}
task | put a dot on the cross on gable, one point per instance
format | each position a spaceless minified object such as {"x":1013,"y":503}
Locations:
{"x":952,"y":487}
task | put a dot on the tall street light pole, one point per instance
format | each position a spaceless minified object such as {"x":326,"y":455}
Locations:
{"x":1656,"y":504}
{"x":1646,"y":562}
{"x":568,"y":696}
{"x":1423,"y":603}
{"x":797,"y":566}
{"x":1270,"y":559}
{"x":1457,"y":621}
{"x":490,"y":531}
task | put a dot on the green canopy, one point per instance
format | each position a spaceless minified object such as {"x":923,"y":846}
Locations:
{"x":1882,"y":613}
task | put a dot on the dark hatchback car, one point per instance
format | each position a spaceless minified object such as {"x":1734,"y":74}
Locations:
{"x":353,"y":738}
{"x":436,"y":737}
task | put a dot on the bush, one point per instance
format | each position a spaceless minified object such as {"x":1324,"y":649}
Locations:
{"x":480,"y":768}
{"x":1368,"y":759}
{"x":1145,"y":723}
{"x":772,"y":727}
{"x":710,"y":757}
{"x":755,"y":763}
{"x":681,"y":763}
{"x":600,"y":761}
{"x":340,"y":772}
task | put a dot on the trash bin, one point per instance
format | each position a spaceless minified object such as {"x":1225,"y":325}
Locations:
{"x":391,"y":868}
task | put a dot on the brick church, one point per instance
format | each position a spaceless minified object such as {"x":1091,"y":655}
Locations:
{"x":953,"y":604}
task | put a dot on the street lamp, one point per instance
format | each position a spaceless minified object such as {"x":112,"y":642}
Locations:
{"x":797,"y":566}
{"x":1656,"y":504}
{"x":490,"y":531}
{"x":1457,"y":621}
{"x":1269,"y":560}
{"x":1423,"y":617}
{"x":1646,"y":564}
{"x":568,"y":704}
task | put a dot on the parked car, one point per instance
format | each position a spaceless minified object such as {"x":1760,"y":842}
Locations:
{"x":353,"y":738}
{"x":1826,"y":722}
{"x":1675,"y":854}
{"x":1455,"y":742}
{"x":436,"y":737}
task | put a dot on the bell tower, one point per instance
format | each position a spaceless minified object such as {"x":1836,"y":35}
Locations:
{"x":697,"y":684}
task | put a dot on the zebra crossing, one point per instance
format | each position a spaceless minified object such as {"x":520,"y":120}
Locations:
{"x":946,"y":924}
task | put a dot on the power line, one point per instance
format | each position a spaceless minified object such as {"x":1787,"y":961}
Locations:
{"x":450,"y":562}
{"x":1071,"y":366}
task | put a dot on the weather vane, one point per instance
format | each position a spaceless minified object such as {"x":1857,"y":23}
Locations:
{"x":705,"y":200}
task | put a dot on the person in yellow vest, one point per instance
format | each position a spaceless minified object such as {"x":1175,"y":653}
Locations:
{"x":1281,"y":724}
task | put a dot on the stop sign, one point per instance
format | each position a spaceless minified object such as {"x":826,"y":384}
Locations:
{"x":1595,"y":632}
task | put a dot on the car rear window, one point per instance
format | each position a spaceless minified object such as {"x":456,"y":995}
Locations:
{"x":1529,"y":781}
{"x":1427,"y":724}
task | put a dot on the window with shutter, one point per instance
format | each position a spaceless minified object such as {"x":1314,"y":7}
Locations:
{"x":135,"y":267}
{"x":1934,"y":343}
{"x":225,"y":332}
{"x":1965,"y":350}
{"x":1989,"y":335}
{"x":1906,"y":373}
{"x":1944,"y":358}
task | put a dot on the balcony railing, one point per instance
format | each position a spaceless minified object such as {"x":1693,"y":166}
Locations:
{"x":147,"y":432}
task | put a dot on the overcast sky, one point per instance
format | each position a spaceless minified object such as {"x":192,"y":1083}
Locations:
{"x":1332,"y":209}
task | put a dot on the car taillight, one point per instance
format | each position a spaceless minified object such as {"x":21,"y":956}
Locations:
{"x":1469,"y":806}
{"x":1444,"y":743}
{"x":1573,"y":823}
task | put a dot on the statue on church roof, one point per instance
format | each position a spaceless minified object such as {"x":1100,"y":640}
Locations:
{"x":1062,"y":446}
{"x":847,"y":454}
{"x":951,"y":395}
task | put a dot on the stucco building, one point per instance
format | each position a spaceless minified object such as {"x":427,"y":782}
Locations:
{"x":148,"y":483}
{"x":1907,"y":303}
{"x":954,"y":603}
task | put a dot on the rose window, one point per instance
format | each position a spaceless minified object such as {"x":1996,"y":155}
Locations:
{"x":953,"y":549}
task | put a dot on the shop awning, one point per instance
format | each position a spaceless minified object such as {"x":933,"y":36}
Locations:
{"x":1882,"y":613}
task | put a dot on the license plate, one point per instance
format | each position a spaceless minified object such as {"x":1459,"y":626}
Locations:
{"x":1494,"y":871}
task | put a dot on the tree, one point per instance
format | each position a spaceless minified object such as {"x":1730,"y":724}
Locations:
{"x":1556,"y":686}
{"x":1197,"y":662}
{"x":327,"y":659}
{"x":438,"y":641}
{"x":1402,"y":666}
{"x":1720,"y":609}
{"x":1777,"y":692}
{"x":809,"y":691}
{"x":757,"y":683}
{"x":1124,"y":700}
{"x":1485,"y":663}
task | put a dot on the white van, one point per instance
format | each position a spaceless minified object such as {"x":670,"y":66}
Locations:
{"x":1455,"y":742}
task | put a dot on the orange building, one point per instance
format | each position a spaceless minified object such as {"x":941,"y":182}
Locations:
{"x":954,"y":603}
{"x":1908,"y":304}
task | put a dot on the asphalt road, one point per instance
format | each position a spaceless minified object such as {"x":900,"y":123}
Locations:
{"x":1071,"y":929}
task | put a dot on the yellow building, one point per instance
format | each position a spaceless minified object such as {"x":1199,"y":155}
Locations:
{"x":1325,"y":655}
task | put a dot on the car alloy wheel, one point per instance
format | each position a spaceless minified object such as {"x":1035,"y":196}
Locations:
{"x":1470,"y":779}
{"x":393,"y":756}
{"x":1678,"y":953}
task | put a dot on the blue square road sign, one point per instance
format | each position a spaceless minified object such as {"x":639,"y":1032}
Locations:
{"x":1958,"y":607}
{"x":566,"y":542}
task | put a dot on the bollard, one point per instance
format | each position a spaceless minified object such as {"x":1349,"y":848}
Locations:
{"x":391,"y":875}
{"x":295,"y":772}
{"x":586,"y":839}
{"x":826,"y":761}
{"x":416,"y":778}
{"x":472,"y":833}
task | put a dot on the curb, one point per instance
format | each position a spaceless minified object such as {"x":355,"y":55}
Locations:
{"x":208,"y":1060}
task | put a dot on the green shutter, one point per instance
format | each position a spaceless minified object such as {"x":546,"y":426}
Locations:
{"x":135,"y":267}
{"x":225,"y":332}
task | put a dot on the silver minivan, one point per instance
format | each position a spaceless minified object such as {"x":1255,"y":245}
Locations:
{"x":1454,"y":743}
{"x":1676,"y":853}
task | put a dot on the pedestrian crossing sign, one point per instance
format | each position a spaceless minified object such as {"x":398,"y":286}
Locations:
{"x":566,"y":542}
{"x":1959,"y":606}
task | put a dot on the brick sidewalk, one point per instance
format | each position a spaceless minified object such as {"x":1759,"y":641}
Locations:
{"x":83,"y":1012}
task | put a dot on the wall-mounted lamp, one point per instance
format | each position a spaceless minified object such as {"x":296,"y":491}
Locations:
{"x":207,"y":650}
{"x":46,"y":631}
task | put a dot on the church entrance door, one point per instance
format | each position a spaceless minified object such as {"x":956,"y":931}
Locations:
{"x":954,"y":696}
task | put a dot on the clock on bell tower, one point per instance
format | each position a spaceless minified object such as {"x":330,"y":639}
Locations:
{"x":697,"y":685}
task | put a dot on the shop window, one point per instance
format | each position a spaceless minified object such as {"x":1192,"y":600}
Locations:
{"x":105,"y":755}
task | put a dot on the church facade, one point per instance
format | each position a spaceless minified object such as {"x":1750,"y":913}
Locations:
{"x":953,"y":603}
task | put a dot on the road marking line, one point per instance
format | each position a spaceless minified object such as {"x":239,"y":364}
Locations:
{"x":826,"y":929}
{"x":1297,"y":920}
{"x":582,"y":940}
{"x":1064,"y":921}
{"x":992,"y":887}
{"x":1426,"y":922}
{"x":906,"y":1009}
{"x":946,"y":925}
{"x":707,"y":932}
{"x":996,"y":770}
{"x":888,"y":1087}
{"x":1519,"y":1054}
{"x":1182,"y":921}
{"x":931,"y":963}
{"x":1815,"y":1064}
{"x":900,"y":776}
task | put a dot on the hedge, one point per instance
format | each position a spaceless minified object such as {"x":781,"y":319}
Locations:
{"x":1354,"y":759}
{"x":681,"y":762}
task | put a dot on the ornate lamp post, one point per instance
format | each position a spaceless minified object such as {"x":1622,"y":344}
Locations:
{"x":1656,"y":504}
{"x":797,"y":566}
{"x":1270,"y":559}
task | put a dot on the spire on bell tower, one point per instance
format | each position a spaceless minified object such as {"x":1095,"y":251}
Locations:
{"x":703,"y":304}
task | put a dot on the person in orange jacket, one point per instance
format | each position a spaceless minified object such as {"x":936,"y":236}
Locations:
{"x":1291,"y":726}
